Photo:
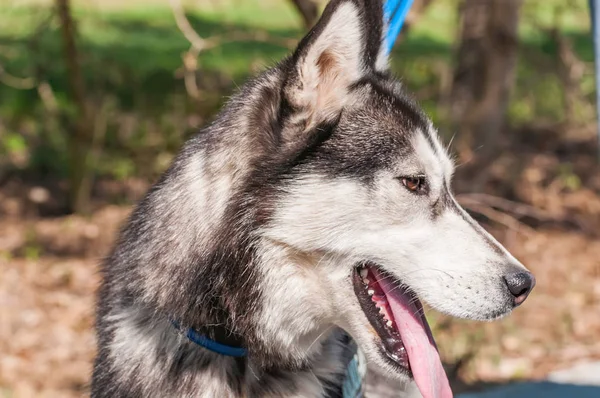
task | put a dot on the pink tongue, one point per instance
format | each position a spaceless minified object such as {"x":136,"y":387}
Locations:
{"x":416,"y":335}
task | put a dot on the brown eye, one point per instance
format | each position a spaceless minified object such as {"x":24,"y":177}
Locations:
{"x":415,"y":184}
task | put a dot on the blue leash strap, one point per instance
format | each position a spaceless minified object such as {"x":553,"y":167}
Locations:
{"x":356,"y":370}
{"x":395,"y":12}
{"x":353,"y":386}
{"x":209,"y":344}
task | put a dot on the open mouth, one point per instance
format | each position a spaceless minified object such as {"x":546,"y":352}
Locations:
{"x":377,"y":309}
{"x":396,"y":315}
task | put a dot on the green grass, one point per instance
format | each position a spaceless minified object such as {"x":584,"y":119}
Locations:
{"x":132,"y":49}
{"x":134,"y":52}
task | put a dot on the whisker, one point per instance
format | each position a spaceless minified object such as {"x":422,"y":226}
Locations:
{"x":318,"y":337}
{"x":252,"y":371}
{"x":450,"y":143}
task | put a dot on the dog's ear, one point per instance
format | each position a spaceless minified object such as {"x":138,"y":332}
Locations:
{"x":344,"y":46}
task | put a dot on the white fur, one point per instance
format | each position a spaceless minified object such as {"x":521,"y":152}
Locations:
{"x":450,"y":262}
{"x":135,"y":352}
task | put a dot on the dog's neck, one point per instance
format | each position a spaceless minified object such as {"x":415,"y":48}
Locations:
{"x":158,"y":358}
{"x":297,"y":312}
{"x":293,"y":347}
{"x":215,"y":338}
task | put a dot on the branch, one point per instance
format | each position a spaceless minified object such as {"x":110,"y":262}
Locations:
{"x":20,"y":83}
{"x":185,"y":27}
{"x":505,"y":207}
{"x":44,"y":88}
{"x":521,"y":209}
{"x":47,"y":96}
{"x":190,"y":66}
{"x":309,"y":11}
{"x":202,"y":44}
{"x":199,"y":44}
{"x":258,"y":36}
{"x":26,"y":83}
{"x":501,"y":218}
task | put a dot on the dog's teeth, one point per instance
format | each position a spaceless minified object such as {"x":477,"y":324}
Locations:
{"x":364,"y":273}
{"x":389,"y":324}
{"x":371,"y":292}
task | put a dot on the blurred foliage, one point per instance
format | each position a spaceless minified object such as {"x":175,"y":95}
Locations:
{"x":133,"y":69}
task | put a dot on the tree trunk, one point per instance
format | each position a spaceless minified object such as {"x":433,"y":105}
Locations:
{"x":484,"y":73}
{"x":309,"y":11}
{"x":80,"y":137}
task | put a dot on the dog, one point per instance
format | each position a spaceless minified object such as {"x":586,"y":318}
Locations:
{"x":314,"y":212}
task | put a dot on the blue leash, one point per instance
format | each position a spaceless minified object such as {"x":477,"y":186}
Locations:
{"x":395,"y":11}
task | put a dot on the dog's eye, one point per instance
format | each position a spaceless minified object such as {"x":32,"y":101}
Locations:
{"x":415,"y":184}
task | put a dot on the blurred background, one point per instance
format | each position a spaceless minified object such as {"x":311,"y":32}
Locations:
{"x":96,"y":97}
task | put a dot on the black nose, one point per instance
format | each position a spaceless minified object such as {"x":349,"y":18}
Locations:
{"x":520,"y":285}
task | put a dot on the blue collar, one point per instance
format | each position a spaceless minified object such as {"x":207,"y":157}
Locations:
{"x":211,"y":345}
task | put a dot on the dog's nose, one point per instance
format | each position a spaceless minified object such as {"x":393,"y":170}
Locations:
{"x":520,"y":285}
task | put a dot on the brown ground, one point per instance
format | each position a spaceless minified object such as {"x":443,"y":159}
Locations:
{"x":48,"y":273}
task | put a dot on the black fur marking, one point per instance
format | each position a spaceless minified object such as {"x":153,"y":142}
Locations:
{"x":371,"y":27}
{"x":237,"y":374}
{"x":443,"y":202}
{"x":316,"y":139}
{"x":360,"y":145}
{"x":411,"y":117}
{"x":361,"y":141}
{"x":161,"y":267}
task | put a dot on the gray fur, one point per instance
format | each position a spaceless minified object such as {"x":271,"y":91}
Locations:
{"x":258,"y":223}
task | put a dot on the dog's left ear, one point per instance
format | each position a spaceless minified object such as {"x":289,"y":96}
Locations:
{"x":344,"y":46}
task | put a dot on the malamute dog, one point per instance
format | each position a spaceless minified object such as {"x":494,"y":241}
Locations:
{"x":313,"y":213}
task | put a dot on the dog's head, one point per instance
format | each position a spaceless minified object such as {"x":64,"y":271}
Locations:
{"x":369,"y":196}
